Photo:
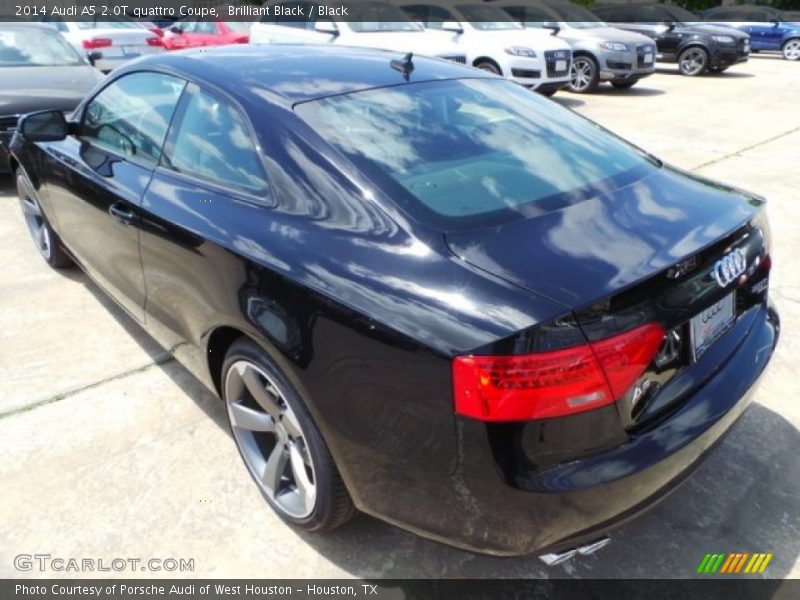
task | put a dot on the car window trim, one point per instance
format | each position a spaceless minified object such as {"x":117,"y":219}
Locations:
{"x":192,"y":88}
{"x":81,"y":116}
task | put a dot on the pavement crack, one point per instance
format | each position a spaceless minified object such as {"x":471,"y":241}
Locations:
{"x":159,"y":360}
{"x":745,"y":149}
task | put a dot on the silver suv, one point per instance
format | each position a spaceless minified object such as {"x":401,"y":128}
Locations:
{"x":600,"y":53}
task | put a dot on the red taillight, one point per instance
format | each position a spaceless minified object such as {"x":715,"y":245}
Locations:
{"x":95,"y":43}
{"x":553,"y":384}
{"x":154,"y":41}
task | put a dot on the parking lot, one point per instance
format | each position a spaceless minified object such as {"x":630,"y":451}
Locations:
{"x":108,"y":448}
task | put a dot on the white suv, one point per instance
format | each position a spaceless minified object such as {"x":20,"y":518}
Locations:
{"x":369,"y":24}
{"x":495,"y":43}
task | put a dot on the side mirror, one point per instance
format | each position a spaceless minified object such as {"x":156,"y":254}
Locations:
{"x":452,"y":27}
{"x":94,"y":56}
{"x":670,"y":25}
{"x":328,"y":27}
{"x":176,"y":29}
{"x":775,"y":22}
{"x":553,"y":27}
{"x":45,"y":126}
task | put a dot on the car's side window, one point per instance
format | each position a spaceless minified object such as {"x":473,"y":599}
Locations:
{"x":212,"y":142}
{"x":417,"y":12}
{"x":535,"y":17}
{"x":205,"y":27}
{"x":130,"y":117}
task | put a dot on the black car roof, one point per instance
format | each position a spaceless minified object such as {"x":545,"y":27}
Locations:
{"x":300,"y":73}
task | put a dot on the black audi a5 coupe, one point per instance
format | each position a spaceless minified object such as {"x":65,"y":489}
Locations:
{"x":420,"y":290}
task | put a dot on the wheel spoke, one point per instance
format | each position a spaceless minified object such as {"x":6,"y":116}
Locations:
{"x":305,"y":488}
{"x":291,"y":424}
{"x":247,"y":418}
{"x":260,"y":394}
{"x":41,"y":237}
{"x":274,"y":468}
{"x":30,"y":207}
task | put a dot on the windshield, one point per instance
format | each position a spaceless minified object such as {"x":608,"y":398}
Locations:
{"x":487,"y":18}
{"x":469,"y":153}
{"x":32,"y":47}
{"x":577,"y":16}
{"x":371,"y":17}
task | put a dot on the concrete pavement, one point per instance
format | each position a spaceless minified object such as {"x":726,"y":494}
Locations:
{"x":110,"y":449}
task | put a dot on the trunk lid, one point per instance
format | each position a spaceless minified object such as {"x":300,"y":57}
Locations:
{"x":590,"y":250}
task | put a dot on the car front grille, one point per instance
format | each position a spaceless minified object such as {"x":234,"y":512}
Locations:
{"x":552,"y":56}
{"x":8,"y":123}
{"x":641,"y":51}
{"x":526,"y":73}
{"x":459,"y":58}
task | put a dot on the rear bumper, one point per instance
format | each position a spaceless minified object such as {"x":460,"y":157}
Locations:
{"x":551,"y":86}
{"x":573,"y":503}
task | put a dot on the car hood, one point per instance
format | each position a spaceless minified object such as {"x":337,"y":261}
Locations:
{"x":419,"y":42}
{"x":586,"y":251}
{"x":606,"y":34}
{"x":28,"y":89}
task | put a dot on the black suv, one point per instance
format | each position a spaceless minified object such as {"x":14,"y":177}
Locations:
{"x":696,"y":48}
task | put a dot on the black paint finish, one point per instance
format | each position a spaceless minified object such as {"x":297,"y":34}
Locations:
{"x":364,"y":308}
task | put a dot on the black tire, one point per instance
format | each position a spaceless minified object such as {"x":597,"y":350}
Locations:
{"x":791,"y":49}
{"x":693,"y":61}
{"x":549,"y":92}
{"x":584,"y":74}
{"x":488,"y":65}
{"x":332,"y":503}
{"x":625,"y":85}
{"x":47,"y":241}
{"x":717,"y":69}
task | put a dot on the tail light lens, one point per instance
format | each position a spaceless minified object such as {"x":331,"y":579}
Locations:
{"x":556,"y":383}
{"x":95,"y":43}
{"x":154,"y":41}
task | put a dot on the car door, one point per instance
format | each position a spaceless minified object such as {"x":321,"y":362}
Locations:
{"x":96,"y":179}
{"x":209,"y":193}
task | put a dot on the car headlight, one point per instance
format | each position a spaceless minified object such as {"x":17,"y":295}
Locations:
{"x":723,"y":39}
{"x":520,"y":51}
{"x":618,"y":46}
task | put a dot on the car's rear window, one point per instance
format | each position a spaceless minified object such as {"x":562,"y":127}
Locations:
{"x":470,"y":153}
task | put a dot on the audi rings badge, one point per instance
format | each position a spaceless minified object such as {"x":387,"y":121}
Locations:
{"x":729,"y":268}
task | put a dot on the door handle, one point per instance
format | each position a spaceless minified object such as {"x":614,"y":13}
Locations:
{"x":121,"y":213}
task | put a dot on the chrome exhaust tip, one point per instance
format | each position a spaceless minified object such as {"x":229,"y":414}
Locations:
{"x":593,"y":547}
{"x":556,"y":558}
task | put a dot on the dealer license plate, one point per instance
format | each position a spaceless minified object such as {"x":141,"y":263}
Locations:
{"x":710,"y":324}
{"x":561,"y":65}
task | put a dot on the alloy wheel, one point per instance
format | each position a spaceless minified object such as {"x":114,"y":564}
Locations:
{"x":37,"y":226}
{"x":791,"y":50}
{"x":270,"y":439}
{"x":581,"y":74}
{"x":693,"y":61}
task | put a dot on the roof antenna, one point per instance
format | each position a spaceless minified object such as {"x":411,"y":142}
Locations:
{"x":405,"y":66}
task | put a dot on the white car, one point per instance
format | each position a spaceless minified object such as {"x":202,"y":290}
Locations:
{"x":495,"y":43}
{"x":117,"y":41}
{"x":371,"y":24}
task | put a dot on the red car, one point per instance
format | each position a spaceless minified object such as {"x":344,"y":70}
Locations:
{"x":206,"y":33}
